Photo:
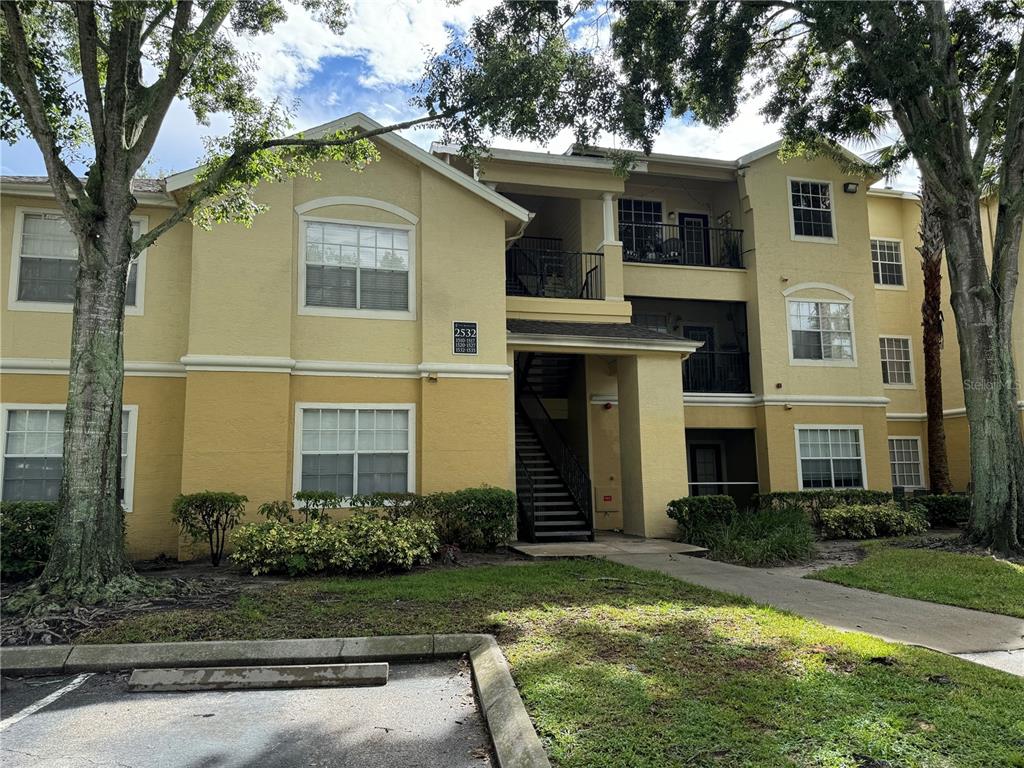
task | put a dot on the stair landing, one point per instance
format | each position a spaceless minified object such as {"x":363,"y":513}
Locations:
{"x":606,"y":543}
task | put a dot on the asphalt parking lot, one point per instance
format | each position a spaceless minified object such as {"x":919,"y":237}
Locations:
{"x":426,"y":715}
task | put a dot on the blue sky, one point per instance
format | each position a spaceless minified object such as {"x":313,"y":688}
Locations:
{"x":371,"y":68}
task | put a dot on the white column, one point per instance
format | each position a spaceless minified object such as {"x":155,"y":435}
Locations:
{"x":610,"y":234}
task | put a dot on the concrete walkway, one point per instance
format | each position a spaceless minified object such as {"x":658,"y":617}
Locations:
{"x":985,"y":638}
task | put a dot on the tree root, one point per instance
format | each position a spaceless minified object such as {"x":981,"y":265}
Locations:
{"x":42,"y":598}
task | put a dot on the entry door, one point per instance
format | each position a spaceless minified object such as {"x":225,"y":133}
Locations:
{"x":705,"y":469}
{"x":693,"y":231}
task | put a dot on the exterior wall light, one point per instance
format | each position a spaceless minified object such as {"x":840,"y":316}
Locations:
{"x":850,"y":187}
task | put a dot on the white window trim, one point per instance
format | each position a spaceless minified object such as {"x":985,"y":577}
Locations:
{"x":821,"y":363}
{"x":910,"y":349}
{"x":903,"y":264}
{"x":920,"y":459}
{"x":14,"y":303}
{"x":863,"y":457}
{"x":129,"y":462}
{"x":792,"y":220}
{"x":297,"y":436}
{"x":374,"y":314}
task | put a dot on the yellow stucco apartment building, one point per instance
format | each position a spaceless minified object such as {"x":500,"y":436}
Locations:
{"x":601,"y":344}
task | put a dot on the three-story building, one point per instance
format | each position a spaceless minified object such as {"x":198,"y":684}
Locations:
{"x":600,"y":343}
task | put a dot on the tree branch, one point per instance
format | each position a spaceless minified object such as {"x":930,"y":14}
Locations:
{"x":156,"y":22}
{"x":986,"y":123}
{"x":182,"y":52}
{"x":88,"y":41}
{"x":209,"y":186}
{"x":21,"y":81}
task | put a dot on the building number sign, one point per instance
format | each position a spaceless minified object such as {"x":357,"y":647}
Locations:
{"x":464,"y":338}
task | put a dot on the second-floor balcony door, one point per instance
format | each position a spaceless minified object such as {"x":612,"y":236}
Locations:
{"x":693,"y":231}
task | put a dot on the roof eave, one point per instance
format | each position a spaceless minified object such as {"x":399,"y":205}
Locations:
{"x":393,"y":140}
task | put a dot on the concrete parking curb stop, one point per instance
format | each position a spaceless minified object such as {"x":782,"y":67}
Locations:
{"x":257,"y":677}
{"x":516,"y":744}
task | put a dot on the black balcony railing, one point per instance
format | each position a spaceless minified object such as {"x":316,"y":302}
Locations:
{"x":537,"y":266}
{"x":684,"y":244}
{"x":717,"y":372}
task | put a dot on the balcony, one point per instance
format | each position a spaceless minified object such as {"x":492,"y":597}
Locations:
{"x":722,"y":364}
{"x":538,"y":266}
{"x":717,"y":372}
{"x":687,"y":244}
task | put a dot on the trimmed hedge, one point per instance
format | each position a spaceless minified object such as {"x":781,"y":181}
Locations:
{"x":365,"y":543}
{"x":867,"y":521}
{"x":813,"y":502}
{"x":473,"y":519}
{"x":26,"y":529}
{"x":944,"y":509}
{"x":699,"y":517}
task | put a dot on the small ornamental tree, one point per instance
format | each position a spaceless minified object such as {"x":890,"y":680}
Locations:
{"x":209,"y":515}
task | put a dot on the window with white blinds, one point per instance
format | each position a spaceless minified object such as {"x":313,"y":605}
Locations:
{"x":33,"y":449}
{"x":351,"y":266}
{"x":349,"y":450}
{"x":47,"y":261}
{"x":905,"y":462}
{"x":830,"y":457}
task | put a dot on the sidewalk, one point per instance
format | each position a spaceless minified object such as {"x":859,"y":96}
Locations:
{"x":985,"y":638}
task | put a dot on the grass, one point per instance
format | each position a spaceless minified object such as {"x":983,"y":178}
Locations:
{"x":969,"y":581}
{"x":626,"y":668}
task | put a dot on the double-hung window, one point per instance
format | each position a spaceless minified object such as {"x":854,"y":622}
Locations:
{"x":821,"y":330}
{"x":356,"y":266}
{"x":34,"y":453}
{"x":354,"y":449}
{"x":830,"y":457}
{"x":897,"y":368}
{"x":905,"y":462}
{"x":887,"y":262}
{"x":811,"y":209}
{"x":46,"y":263}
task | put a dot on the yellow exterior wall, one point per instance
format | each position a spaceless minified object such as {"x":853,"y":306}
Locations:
{"x":158,"y":450}
{"x":158,"y":335}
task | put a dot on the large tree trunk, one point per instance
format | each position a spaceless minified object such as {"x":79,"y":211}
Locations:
{"x":984,"y":328}
{"x":88,"y":556}
{"x":931,"y":322}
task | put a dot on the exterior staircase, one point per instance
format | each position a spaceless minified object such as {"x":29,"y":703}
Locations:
{"x":555,"y":514}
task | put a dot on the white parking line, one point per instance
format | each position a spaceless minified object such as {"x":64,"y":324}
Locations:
{"x":44,"y":702}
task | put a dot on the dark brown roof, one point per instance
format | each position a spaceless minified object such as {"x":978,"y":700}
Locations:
{"x":139,"y":185}
{"x":591,"y":330}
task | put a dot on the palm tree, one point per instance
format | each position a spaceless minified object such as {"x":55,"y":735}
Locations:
{"x":931,"y":320}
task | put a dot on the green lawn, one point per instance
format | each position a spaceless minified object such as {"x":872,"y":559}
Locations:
{"x":622,"y":667}
{"x":969,"y":581}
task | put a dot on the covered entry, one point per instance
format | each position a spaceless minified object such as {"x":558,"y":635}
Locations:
{"x":599,"y":427}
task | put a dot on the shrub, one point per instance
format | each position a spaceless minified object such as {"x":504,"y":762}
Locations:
{"x":26,"y":528}
{"x":279,"y":511}
{"x":700,"y":517}
{"x":209,"y":514}
{"x":480,"y":519}
{"x":866,"y":521}
{"x":365,"y":543}
{"x":314,"y":504}
{"x":378,"y":543}
{"x":764,"y":538}
{"x":394,"y":504}
{"x":945,"y":509}
{"x":813,"y":502}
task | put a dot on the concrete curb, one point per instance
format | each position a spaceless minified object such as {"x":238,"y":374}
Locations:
{"x":254,"y":678}
{"x":516,"y":744}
